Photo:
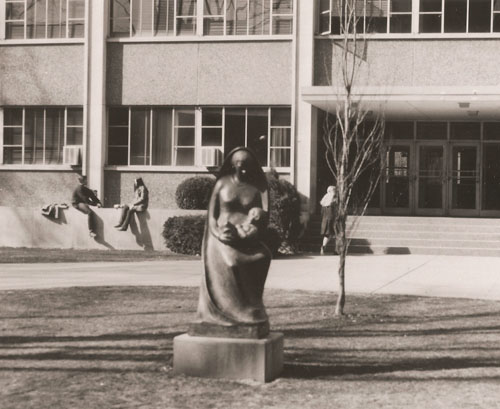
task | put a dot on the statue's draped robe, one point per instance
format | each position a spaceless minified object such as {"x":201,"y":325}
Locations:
{"x":233,"y":283}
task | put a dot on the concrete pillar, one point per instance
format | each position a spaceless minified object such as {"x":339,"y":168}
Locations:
{"x":306,"y":115}
{"x":95,"y":94}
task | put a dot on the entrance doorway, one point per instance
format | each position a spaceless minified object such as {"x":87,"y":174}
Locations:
{"x":440,"y":179}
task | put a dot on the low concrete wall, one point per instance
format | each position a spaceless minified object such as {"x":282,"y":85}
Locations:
{"x":27,"y":227}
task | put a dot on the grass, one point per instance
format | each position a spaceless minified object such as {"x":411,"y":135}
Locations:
{"x":111,"y":347}
{"x":37,"y":255}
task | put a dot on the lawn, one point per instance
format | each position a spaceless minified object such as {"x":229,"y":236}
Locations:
{"x":111,"y":347}
{"x":37,"y":255}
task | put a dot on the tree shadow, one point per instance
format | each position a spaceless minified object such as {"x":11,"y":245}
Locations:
{"x":141,"y":230}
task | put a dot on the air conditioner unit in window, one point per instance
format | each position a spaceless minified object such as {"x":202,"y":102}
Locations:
{"x":211,"y":157}
{"x":72,"y":155}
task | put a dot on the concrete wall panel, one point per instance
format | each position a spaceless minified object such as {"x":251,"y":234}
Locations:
{"x":36,"y":188}
{"x":199,"y":73}
{"x":416,"y":63}
{"x":27,"y":227}
{"x":41,"y":75}
{"x":119,"y":187}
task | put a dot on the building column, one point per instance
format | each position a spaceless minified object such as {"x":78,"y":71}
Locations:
{"x":306,"y":115}
{"x":95,"y":94}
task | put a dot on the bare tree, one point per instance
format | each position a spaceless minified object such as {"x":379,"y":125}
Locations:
{"x":353,"y":137}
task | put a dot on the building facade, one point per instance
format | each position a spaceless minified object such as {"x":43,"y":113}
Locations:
{"x":117,"y":89}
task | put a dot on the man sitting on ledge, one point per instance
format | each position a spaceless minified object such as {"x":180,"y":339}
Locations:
{"x":82,"y":198}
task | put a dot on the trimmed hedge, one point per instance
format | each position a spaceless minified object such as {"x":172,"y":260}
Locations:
{"x":284,"y":219}
{"x":194,"y":193}
{"x":184,"y":234}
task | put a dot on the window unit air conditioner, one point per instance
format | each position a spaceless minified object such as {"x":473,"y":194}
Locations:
{"x":72,"y":155}
{"x":211,"y":157}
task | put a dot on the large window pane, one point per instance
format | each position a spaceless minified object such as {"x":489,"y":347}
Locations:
{"x":139,"y":133}
{"x":162,"y":137}
{"x":398,"y":130}
{"x":465,"y":130}
{"x":455,"y":16}
{"x":56,"y":19}
{"x":430,"y":23}
{"x":33,"y":137}
{"x":54,"y":135}
{"x":118,"y":136}
{"x":117,"y":155}
{"x":376,"y":16}
{"x":234,"y":134}
{"x":259,"y":15}
{"x":479,"y":16}
{"x":120,"y":18}
{"x":212,"y":117}
{"x":257,"y":133}
{"x":431,"y":130}
{"x":236,"y":17}
{"x":491,"y":131}
{"x":211,"y":137}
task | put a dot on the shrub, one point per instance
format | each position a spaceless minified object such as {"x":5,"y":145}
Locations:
{"x":184,"y":234}
{"x":194,"y":193}
{"x":284,"y":201}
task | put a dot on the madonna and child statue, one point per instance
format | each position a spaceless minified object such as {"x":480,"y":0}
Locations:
{"x":236,"y":263}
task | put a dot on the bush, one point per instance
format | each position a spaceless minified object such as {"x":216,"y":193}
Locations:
{"x":194,"y":193}
{"x":284,"y":201}
{"x":184,"y":234}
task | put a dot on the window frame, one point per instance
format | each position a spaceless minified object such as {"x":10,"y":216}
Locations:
{"x":199,"y":17}
{"x":63,"y":23}
{"x":198,"y":147}
{"x":63,"y":110}
{"x":415,"y":31}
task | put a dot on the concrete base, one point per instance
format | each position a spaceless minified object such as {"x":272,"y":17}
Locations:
{"x":232,"y":358}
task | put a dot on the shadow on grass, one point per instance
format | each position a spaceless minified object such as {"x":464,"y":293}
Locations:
{"x":15,"y":340}
{"x":319,"y":370}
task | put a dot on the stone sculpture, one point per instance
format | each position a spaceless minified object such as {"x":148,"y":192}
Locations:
{"x":235,"y":258}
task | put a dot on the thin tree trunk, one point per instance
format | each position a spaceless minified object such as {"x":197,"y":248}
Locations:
{"x":342,"y":250}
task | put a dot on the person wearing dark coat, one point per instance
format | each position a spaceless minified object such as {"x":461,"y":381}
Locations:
{"x":82,"y":199}
{"x":327,"y":217}
{"x":140,"y":204}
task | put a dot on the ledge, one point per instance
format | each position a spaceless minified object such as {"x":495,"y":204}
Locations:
{"x":43,"y":41}
{"x":200,"y":39}
{"x":40,"y":168}
{"x":178,"y":169}
{"x":416,"y":36}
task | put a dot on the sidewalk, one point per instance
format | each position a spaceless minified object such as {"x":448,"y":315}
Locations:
{"x":441,"y":276}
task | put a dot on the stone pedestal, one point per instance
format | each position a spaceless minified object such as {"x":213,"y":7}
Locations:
{"x":232,"y":358}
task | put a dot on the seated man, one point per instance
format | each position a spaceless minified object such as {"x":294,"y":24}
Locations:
{"x":83,"y":197}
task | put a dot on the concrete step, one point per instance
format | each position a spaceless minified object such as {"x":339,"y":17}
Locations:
{"x":415,"y":235}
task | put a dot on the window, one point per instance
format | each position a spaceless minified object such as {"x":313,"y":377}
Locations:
{"x":38,"y":135}
{"x":26,"y":19}
{"x":197,"y":136}
{"x":147,"y":131}
{"x":395,"y":16}
{"x":152,"y":17}
{"x":247,"y":17}
{"x":372,"y":16}
{"x":131,"y":18}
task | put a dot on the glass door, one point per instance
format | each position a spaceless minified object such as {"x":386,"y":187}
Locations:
{"x":464,"y":180}
{"x":396,"y":180}
{"x":431,"y":179}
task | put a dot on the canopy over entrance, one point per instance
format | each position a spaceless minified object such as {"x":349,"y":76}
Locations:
{"x":415,"y":103}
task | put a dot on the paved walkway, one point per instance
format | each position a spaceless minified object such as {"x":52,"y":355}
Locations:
{"x":444,"y":276}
